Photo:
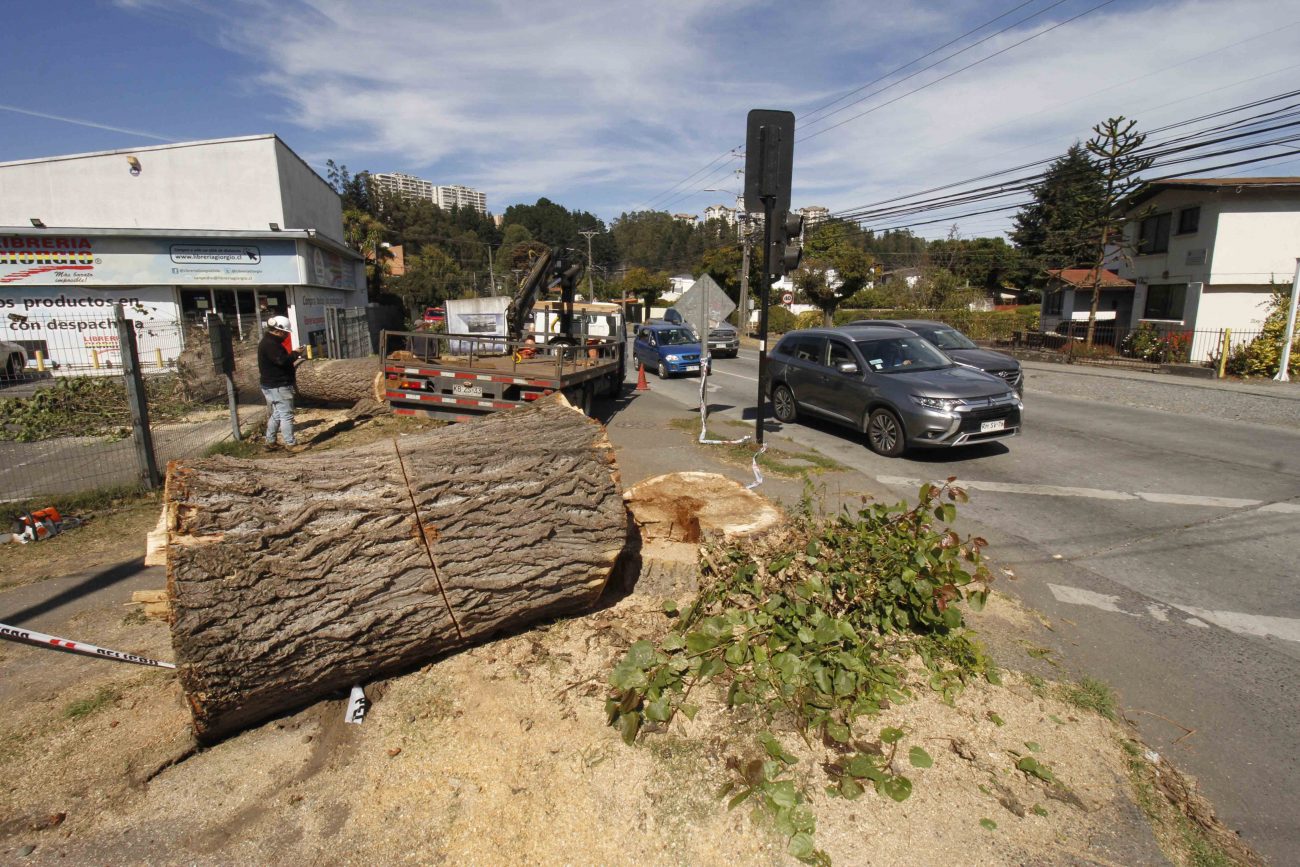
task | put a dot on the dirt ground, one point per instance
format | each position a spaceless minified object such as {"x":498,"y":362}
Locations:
{"x":500,"y":755}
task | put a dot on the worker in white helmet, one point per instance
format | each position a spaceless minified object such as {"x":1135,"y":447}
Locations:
{"x":275,"y":368}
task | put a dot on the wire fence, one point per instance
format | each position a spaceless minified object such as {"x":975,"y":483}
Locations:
{"x":1146,"y":347}
{"x":68,"y":422}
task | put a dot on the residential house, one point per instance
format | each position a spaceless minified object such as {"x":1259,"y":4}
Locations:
{"x":1069,"y":296}
{"x":1202,"y":255}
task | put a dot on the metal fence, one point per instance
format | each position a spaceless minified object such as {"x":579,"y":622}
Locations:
{"x":347,"y":332}
{"x":1147,"y":347}
{"x":68,"y":421}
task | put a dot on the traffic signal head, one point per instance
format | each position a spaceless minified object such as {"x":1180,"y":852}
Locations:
{"x":786,"y":249}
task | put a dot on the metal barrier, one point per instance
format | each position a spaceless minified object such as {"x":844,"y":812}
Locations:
{"x":100,"y":404}
{"x":347,"y":332}
{"x":1145,"y":347}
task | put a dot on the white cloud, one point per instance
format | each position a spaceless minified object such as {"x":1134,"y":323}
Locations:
{"x":606,"y":106}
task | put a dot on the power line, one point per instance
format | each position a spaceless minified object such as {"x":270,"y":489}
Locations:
{"x":997,"y":53}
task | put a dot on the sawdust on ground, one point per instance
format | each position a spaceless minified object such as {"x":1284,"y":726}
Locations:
{"x":500,"y":755}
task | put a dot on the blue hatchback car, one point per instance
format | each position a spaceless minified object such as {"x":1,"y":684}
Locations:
{"x":667,"y":349}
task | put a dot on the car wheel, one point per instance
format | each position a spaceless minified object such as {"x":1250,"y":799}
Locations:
{"x":783,"y":405}
{"x":663,"y":370}
{"x":885,"y":433}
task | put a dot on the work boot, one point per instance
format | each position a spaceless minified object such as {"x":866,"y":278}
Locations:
{"x":272,"y":447}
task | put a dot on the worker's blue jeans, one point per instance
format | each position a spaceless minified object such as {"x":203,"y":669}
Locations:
{"x":280,"y":400}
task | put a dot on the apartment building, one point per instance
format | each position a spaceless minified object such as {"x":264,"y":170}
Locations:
{"x":446,"y":197}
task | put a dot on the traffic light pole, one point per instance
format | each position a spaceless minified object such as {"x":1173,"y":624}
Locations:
{"x":765,"y":290}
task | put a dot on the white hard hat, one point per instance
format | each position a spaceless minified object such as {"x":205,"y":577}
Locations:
{"x":279,"y":323}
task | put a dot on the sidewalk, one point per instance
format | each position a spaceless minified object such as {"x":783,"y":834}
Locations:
{"x":1264,"y":388}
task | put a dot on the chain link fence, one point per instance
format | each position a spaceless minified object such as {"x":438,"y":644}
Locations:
{"x":104,"y":403}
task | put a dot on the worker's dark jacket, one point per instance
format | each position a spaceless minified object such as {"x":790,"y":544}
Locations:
{"x":274,"y":363}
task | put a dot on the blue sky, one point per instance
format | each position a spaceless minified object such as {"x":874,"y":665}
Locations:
{"x":612,"y":106}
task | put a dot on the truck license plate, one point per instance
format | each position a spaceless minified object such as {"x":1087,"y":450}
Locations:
{"x":987,"y":426}
{"x":467,"y":390}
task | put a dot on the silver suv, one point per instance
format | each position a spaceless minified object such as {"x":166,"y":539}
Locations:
{"x":890,"y":384}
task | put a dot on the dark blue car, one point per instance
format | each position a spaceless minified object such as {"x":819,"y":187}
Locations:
{"x":667,"y":349}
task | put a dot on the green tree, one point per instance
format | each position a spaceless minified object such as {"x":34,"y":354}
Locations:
{"x":646,"y":285}
{"x":1055,"y":229}
{"x":1117,"y":152}
{"x":431,"y":278}
{"x":834,"y":266}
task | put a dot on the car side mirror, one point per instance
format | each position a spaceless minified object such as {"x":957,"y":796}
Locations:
{"x":848,"y":367}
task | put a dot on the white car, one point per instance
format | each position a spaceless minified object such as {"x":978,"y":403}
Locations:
{"x":14,"y":358}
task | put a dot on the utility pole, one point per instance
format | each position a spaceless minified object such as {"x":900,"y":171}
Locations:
{"x":492,"y":271}
{"x":588,"y":234}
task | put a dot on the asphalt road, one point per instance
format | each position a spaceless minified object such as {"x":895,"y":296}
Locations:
{"x":1161,"y":545}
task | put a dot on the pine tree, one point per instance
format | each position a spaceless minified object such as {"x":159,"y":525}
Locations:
{"x":1055,"y":230}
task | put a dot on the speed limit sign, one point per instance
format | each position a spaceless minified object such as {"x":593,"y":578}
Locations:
{"x":787,"y":298}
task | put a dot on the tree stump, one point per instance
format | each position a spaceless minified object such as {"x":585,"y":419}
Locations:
{"x":677,"y":511}
{"x":291,"y":579}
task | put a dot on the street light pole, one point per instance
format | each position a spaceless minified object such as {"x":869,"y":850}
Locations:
{"x":591,"y":294}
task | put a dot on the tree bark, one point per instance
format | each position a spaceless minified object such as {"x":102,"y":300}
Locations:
{"x":291,"y":579}
{"x":324,"y":380}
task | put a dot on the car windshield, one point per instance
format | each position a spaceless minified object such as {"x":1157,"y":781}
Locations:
{"x":902,"y":355}
{"x":950,"y":338}
{"x":676,"y":336}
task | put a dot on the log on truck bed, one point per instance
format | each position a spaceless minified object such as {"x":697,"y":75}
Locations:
{"x":292,"y":579}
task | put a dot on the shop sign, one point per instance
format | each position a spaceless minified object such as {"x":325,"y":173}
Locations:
{"x":44,"y":260}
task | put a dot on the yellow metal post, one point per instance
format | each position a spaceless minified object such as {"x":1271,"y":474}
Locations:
{"x":94,"y":358}
{"x":157,"y":354}
{"x":309,"y":352}
{"x":1223,"y":353}
{"x":40,"y":361}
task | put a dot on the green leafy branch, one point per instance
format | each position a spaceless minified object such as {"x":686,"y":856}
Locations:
{"x":814,"y":626}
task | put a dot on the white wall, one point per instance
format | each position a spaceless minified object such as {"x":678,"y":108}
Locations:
{"x":1241,"y":308}
{"x":1171,"y":266}
{"x":1258,"y":240}
{"x":307,"y":200}
{"x":245,"y":183}
{"x":226,"y":185}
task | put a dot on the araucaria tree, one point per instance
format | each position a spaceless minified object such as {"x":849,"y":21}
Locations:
{"x":1116,"y":150}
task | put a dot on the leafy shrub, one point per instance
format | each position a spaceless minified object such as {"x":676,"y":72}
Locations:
{"x":86,"y":406}
{"x":780,"y":320}
{"x":1263,"y":355}
{"x":1147,"y":343}
{"x":809,"y":319}
{"x":976,"y":324}
{"x":814,"y":625}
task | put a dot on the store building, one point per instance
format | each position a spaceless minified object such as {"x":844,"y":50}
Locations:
{"x":241,"y":226}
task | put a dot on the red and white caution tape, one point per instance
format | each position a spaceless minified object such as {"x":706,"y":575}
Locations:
{"x":40,"y":639}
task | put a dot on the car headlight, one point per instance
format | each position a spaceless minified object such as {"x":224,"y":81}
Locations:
{"x":943,"y":404}
{"x":672,"y":358}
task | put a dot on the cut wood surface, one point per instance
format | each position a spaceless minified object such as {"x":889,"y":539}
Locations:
{"x":292,"y":579}
{"x":676,"y":511}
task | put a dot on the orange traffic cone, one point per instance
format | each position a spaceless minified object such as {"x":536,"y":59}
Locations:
{"x":641,"y":384}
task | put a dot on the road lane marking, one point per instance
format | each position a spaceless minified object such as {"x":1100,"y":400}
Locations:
{"x":737,"y":375}
{"x":1102,"y":494}
{"x":1257,"y":625}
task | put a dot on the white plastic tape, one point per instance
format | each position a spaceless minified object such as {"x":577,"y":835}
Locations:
{"x":40,"y":639}
{"x":704,"y":427}
{"x":358,"y":704}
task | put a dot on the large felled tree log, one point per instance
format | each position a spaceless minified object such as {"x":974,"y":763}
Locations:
{"x":291,"y":579}
{"x":323,"y":380}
